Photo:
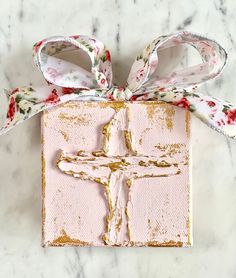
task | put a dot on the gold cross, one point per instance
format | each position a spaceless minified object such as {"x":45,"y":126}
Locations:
{"x":116,"y":167}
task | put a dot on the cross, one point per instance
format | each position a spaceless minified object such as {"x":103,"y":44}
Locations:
{"x":116,"y":167}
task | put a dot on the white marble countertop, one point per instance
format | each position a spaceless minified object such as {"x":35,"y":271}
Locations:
{"x":125,"y":27}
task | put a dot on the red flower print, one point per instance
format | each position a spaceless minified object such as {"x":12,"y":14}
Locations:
{"x":231,"y":116}
{"x":221,"y":122}
{"x":103,"y":81}
{"x":11,"y":109}
{"x":15,"y":91}
{"x":182,"y":103}
{"x":133,"y":98}
{"x":75,"y":37}
{"x":67,"y":91}
{"x":108,"y":56}
{"x":37,"y":46}
{"x":211,"y":103}
{"x":145,"y":97}
{"x":110,"y":96}
{"x":140,"y":74}
{"x":53,"y":73}
{"x":53,"y":97}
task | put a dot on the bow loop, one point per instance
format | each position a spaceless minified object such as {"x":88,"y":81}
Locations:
{"x":48,"y":57}
{"x":68,"y":81}
{"x":142,"y":72}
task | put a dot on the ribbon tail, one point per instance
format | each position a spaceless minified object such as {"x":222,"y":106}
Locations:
{"x":23,"y":103}
{"x":216,"y":113}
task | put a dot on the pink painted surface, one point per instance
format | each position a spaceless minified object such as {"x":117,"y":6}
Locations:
{"x":159,"y":208}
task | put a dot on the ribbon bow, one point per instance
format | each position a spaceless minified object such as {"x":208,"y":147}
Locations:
{"x":68,"y":81}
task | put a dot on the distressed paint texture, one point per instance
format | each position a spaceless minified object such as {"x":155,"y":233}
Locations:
{"x":123,"y":177}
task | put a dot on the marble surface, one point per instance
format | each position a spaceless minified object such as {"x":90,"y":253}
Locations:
{"x":126,"y":27}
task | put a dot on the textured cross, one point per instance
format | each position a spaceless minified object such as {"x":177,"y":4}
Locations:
{"x":116,"y":166}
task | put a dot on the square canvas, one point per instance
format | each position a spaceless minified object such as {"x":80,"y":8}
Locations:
{"x":116,"y":174}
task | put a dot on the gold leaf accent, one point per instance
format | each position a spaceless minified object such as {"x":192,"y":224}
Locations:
{"x":187,"y":123}
{"x":64,"y":239}
{"x":170,"y":243}
{"x":114,"y":166}
{"x":106,"y":135}
{"x":116,"y":105}
{"x":151,"y":109}
{"x":118,"y":224}
{"x":169,"y":110}
{"x":65,"y":135}
{"x":169,"y":114}
{"x":129,"y":141}
{"x":78,"y":119}
{"x":43,"y":212}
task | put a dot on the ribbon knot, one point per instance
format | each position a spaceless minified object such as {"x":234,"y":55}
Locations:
{"x":119,"y":93}
{"x":93,"y":81}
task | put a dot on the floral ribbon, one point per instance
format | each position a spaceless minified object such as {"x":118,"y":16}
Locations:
{"x":68,"y":81}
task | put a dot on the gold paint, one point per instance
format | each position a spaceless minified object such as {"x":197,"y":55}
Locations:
{"x":70,"y":104}
{"x":45,"y":116}
{"x":155,"y":176}
{"x":110,"y":214}
{"x":99,"y":154}
{"x":170,"y":243}
{"x":90,"y":104}
{"x":169,"y":114}
{"x":43,"y":169}
{"x":186,"y":159}
{"x":163,"y":155}
{"x":65,"y":135}
{"x":114,"y":166}
{"x":63,"y":158}
{"x":189,"y":220}
{"x":129,"y":141}
{"x":43,"y":174}
{"x":189,"y":231}
{"x":151,"y":109}
{"x":116,"y":105}
{"x":154,"y":231}
{"x":171,"y":149}
{"x":118,"y":224}
{"x":169,"y":110}
{"x":128,"y":222}
{"x":106,"y":135}
{"x":160,"y":164}
{"x":82,"y":173}
{"x":42,"y":140}
{"x":99,"y":180}
{"x":105,"y":239}
{"x":81,"y":153}
{"x":187,"y":123}
{"x":43,"y":195}
{"x":64,"y":239}
{"x":129,"y":182}
{"x":142,"y":163}
{"x":78,"y":119}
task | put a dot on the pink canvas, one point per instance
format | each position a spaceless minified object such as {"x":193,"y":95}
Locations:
{"x":116,"y":174}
